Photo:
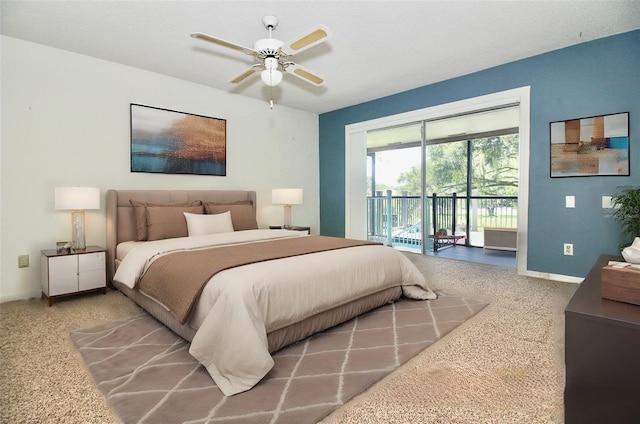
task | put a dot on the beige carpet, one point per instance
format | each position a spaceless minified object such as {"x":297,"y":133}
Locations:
{"x":148,"y":375}
{"x":503,"y":366}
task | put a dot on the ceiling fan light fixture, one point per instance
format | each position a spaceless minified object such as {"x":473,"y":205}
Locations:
{"x":271,"y":77}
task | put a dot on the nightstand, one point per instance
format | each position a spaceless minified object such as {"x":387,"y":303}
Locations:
{"x":67,"y":274}
{"x":294,"y":228}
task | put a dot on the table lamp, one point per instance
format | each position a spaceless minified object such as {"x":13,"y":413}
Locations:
{"x":77,"y":200}
{"x":286,"y":197}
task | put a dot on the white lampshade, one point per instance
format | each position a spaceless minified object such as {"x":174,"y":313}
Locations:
{"x":77,"y":198}
{"x":286,"y":196}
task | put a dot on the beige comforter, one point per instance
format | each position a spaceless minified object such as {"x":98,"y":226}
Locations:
{"x":239,"y":306}
{"x":159,"y":280}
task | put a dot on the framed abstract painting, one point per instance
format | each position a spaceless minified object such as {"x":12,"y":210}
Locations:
{"x":170,"y":142}
{"x":593,"y":146}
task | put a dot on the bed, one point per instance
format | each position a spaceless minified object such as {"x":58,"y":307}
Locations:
{"x":244,"y":313}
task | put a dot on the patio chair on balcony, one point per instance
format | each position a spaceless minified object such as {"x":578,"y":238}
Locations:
{"x":444,"y":223}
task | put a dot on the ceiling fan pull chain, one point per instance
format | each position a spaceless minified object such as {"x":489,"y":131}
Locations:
{"x":271,"y":97}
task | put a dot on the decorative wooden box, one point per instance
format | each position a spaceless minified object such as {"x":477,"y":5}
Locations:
{"x":621,"y":284}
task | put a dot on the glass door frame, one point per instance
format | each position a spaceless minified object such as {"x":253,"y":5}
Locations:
{"x":355,"y":158}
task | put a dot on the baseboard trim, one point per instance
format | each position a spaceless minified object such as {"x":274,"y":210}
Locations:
{"x":554,"y":277}
{"x":21,"y":296}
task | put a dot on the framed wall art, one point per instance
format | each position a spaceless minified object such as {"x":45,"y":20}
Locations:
{"x":593,"y":146}
{"x":170,"y":142}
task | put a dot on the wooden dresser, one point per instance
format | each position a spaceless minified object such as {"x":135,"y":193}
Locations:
{"x":602,"y":356}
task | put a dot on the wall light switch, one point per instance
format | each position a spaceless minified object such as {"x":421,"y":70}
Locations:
{"x":606,"y":202}
{"x":570,"y":201}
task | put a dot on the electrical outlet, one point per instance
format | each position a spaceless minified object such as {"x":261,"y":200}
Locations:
{"x":568,"y":249}
{"x":23,"y":261}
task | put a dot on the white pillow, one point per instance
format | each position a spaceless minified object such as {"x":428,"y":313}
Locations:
{"x":200,"y":225}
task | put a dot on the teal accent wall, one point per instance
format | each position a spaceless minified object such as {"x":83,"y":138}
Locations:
{"x":594,"y":78}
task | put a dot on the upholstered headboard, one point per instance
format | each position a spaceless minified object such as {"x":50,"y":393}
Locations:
{"x":121,"y":224}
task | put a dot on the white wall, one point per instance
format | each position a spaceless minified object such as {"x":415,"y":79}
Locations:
{"x":65,"y":122}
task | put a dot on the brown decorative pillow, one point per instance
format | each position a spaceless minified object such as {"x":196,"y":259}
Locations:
{"x":243,"y":215}
{"x":165,"y":222}
{"x":140,"y":215}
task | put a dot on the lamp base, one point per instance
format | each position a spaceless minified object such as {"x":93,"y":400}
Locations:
{"x":287,"y":217}
{"x":78,"y":243}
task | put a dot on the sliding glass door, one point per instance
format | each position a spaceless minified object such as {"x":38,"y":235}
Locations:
{"x":394,"y":192}
{"x":468,"y":162}
{"x":493,"y":183}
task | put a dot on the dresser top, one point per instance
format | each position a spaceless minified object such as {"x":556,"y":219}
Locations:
{"x":588,"y":301}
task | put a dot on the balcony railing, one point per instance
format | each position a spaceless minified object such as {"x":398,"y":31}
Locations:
{"x":397,"y":220}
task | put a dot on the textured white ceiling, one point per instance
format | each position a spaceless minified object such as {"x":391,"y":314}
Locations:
{"x":377,"y":48}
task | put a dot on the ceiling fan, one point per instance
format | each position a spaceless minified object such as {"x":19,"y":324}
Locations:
{"x":273,"y":55}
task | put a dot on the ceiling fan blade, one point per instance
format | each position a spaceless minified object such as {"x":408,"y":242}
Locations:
{"x":224,"y":43}
{"x":317,"y":35}
{"x":303,"y":73}
{"x":246,"y":74}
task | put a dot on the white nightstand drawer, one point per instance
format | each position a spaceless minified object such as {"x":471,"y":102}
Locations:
{"x":91,"y":262}
{"x":92,"y":279}
{"x":63,"y":265}
{"x":63,"y":284}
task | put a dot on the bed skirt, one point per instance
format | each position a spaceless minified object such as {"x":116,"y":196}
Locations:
{"x":284,"y":336}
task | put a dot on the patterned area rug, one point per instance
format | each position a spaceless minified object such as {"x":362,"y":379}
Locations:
{"x":148,"y":375}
